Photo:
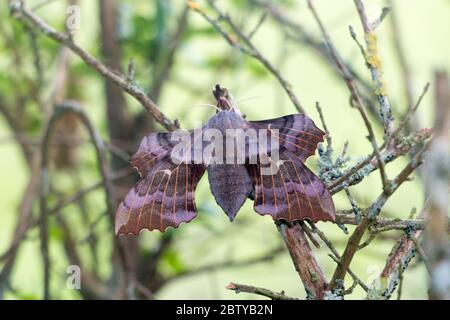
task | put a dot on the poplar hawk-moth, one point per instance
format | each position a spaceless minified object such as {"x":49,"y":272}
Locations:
{"x":165,"y":194}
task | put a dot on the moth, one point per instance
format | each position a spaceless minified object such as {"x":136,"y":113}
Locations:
{"x":277,"y":180}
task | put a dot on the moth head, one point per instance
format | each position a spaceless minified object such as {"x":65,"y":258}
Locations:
{"x":225,"y":101}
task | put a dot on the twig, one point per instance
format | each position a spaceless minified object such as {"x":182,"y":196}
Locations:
{"x":62,"y":204}
{"x":355,"y":278}
{"x":349,"y":80}
{"x":258,"y":25}
{"x":384,"y":224}
{"x":163,"y":70}
{"x":248,"y":48}
{"x":16,"y":127}
{"x":304,"y":261}
{"x":81,"y":193}
{"x":374,"y":64}
{"x":356,"y":173}
{"x":350,"y":290}
{"x":269,"y":256}
{"x":412,"y":110}
{"x":372,"y":213}
{"x":308,"y":232}
{"x":379,"y":20}
{"x":74,"y":108}
{"x":92,"y":287}
{"x":421,"y":253}
{"x":401,"y":56}
{"x":238,"y":288}
{"x":22,"y":225}
{"x":336,"y":256}
{"x":356,"y":209}
{"x":19,"y":10}
{"x":325,"y":127}
{"x":144,"y":291}
{"x":368,"y":241}
{"x":301,"y":35}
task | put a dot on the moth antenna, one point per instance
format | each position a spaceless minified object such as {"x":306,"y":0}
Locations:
{"x":235,"y":103}
{"x":249,"y":98}
{"x":207,"y":105}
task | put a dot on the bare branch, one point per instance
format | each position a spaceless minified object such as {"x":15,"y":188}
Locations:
{"x":304,"y":261}
{"x":411,"y":111}
{"x":238,"y":288}
{"x":374,"y":64}
{"x":247,"y":47}
{"x":372,"y":213}
{"x":74,"y":108}
{"x":379,"y":20}
{"x":349,"y":80}
{"x":19,"y":10}
{"x":269,"y":256}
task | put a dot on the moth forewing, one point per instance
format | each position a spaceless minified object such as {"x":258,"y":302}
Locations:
{"x":182,"y":151}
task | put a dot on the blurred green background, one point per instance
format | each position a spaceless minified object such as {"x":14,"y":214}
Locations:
{"x":202,"y":60}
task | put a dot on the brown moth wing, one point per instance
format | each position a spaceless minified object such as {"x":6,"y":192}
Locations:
{"x":292,"y":193}
{"x":296,"y":133}
{"x":164,"y":197}
{"x":152,"y":148}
